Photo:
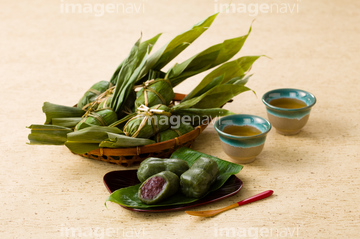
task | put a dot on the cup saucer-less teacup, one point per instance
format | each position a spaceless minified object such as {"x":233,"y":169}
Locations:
{"x":288,"y":109}
{"x":242,"y":146}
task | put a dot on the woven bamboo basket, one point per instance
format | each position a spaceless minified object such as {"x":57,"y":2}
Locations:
{"x":129,"y":156}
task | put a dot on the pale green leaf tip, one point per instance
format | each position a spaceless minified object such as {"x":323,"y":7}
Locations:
{"x":231,"y":113}
{"x":254,"y":93}
{"x":252,"y":22}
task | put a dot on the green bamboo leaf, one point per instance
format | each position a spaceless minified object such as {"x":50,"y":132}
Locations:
{"x":128,"y":196}
{"x":128,"y":75}
{"x":207,"y":59}
{"x":212,"y":113}
{"x":169,"y":51}
{"x":69,"y":122}
{"x":140,"y":52}
{"x":196,"y":116}
{"x":214,"y":98}
{"x":123,"y":141}
{"x":93,"y":134}
{"x":219,"y":95}
{"x":129,"y":64}
{"x":89,"y":138}
{"x":240,"y":80}
{"x":187,"y":69}
{"x":125,"y":85}
{"x":227,"y":71}
{"x":187,"y":104}
{"x":48,"y":134}
{"x":202,"y":88}
{"x":113,"y":78}
{"x":60,"y":111}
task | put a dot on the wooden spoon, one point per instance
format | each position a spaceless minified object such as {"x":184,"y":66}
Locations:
{"x":210,"y":213}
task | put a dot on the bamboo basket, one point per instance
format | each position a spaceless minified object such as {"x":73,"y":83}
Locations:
{"x":129,"y":156}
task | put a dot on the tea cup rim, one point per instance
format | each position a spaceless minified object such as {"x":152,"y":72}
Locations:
{"x":217,"y":123}
{"x":286,"y":109}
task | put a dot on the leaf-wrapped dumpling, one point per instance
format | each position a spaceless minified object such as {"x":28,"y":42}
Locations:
{"x":159,"y":91}
{"x":102,"y":117}
{"x":148,"y":122}
{"x":92,"y":93}
{"x":173,"y":132}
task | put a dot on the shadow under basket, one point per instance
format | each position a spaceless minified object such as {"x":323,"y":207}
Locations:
{"x":129,"y":156}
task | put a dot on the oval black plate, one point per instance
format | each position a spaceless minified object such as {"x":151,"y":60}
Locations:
{"x":115,"y":180}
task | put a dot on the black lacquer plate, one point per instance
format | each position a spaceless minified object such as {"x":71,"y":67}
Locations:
{"x":115,"y":180}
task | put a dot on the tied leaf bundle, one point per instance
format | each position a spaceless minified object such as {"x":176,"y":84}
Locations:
{"x":102,"y":117}
{"x":174,"y":132}
{"x":158,"y":91}
{"x":136,"y":107}
{"x":91,"y":94}
{"x":148,"y":121}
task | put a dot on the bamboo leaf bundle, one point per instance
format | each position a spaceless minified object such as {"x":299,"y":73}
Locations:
{"x":112,"y":115}
{"x":154,"y":92}
{"x":174,"y":132}
{"x":102,"y":117}
{"x":91,"y":94}
{"x":148,"y":122}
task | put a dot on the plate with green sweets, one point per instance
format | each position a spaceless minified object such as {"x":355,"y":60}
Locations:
{"x":124,"y":186}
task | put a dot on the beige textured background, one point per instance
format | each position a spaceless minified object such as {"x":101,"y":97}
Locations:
{"x":51,"y":56}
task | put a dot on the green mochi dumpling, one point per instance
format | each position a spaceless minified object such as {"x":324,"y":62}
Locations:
{"x":151,"y":166}
{"x":197,"y":180}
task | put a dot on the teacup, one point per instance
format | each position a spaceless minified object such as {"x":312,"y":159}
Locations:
{"x":240,"y":145}
{"x":288,"y":109}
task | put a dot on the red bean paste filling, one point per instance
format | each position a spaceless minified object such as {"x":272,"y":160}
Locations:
{"x":152,"y":187}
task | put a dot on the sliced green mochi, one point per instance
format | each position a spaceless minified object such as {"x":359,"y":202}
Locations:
{"x":159,"y":187}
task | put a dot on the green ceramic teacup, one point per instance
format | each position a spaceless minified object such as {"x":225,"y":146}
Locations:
{"x":288,"y":109}
{"x":242,"y":149}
